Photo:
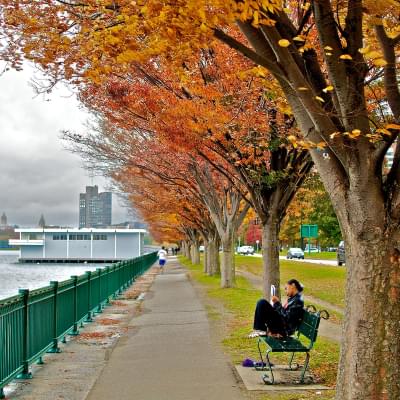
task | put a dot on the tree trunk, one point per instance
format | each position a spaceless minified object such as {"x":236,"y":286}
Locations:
{"x":228,"y":262}
{"x":194,"y":253}
{"x":213,"y":256}
{"x":186,"y":249}
{"x":206,"y":258}
{"x":369,"y":365}
{"x":270,"y":249}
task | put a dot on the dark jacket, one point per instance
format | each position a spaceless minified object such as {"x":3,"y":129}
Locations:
{"x":293,"y":313}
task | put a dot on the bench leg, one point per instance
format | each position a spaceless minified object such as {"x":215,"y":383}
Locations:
{"x":262,"y":368}
{"x":268,"y":380}
{"x":303,"y":372}
{"x":291,"y":361}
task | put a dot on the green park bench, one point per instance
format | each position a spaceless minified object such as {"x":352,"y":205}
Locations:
{"x":301,"y":342}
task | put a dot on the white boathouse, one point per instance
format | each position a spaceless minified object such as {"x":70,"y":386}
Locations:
{"x":79,"y":245}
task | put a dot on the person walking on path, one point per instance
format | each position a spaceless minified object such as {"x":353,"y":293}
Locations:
{"x":162,"y":257}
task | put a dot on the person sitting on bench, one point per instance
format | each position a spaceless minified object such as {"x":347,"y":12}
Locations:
{"x":280,"y":320}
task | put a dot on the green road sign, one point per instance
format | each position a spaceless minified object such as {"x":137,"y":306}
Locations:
{"x":309,"y":231}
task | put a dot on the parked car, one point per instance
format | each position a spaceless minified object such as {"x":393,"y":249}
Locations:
{"x":246,"y":250}
{"x":295,"y":252}
{"x":341,"y":254}
{"x":313,"y":249}
{"x":201,"y":249}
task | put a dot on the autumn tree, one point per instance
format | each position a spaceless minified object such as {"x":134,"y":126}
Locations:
{"x":225,"y":118}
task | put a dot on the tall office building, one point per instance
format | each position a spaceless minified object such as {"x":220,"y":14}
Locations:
{"x":3,"y":219}
{"x":94,"y":208}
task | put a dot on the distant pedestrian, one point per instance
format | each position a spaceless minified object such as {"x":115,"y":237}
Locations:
{"x":162,"y":257}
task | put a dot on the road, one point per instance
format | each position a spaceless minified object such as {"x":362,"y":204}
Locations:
{"x":332,"y":263}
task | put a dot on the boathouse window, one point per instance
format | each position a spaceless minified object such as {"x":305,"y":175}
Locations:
{"x":99,"y":237}
{"x":59,"y":237}
{"x":72,"y":237}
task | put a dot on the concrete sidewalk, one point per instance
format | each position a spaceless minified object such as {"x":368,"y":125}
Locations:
{"x":168,"y":353}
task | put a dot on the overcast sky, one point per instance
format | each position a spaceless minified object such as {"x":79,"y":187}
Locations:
{"x":37,"y":175}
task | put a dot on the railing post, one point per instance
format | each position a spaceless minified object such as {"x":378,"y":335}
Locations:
{"x":2,"y":395}
{"x":89,"y":291}
{"x":75,"y":330}
{"x":55,"y":348}
{"x":120,"y":278}
{"x":25,"y":374}
{"x":107,"y":269}
{"x":99,"y":308}
{"x":115,"y":281}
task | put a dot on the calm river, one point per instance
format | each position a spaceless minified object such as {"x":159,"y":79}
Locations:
{"x":14,"y":275}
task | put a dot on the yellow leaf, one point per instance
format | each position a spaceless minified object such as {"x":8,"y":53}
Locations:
{"x":329,"y":48}
{"x":320,"y":99}
{"x":354,"y":133}
{"x":321,"y":145}
{"x":384,"y":131}
{"x":302,"y":88}
{"x":373,"y":54}
{"x":380,"y":62}
{"x":292,"y":138}
{"x":364,"y":50}
{"x":299,"y":39}
{"x":203,"y":27}
{"x":255,"y":19}
{"x":284,"y":43}
{"x":393,"y":126}
{"x":334,"y":134}
{"x":328,"y":54}
{"x":328,"y":89}
{"x":346,"y":57}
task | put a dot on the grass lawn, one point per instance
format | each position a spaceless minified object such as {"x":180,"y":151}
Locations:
{"x":240,"y":302}
{"x":321,"y":281}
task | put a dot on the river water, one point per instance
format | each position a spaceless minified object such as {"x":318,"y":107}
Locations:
{"x":15,"y":275}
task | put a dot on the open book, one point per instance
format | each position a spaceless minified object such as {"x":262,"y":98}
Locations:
{"x":273,"y":292}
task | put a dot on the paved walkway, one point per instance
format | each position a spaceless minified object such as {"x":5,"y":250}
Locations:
{"x":168,"y":353}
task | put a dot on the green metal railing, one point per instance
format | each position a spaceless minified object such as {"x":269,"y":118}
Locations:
{"x":33,"y":322}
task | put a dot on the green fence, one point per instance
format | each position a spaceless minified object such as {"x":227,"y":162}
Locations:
{"x":33,"y":322}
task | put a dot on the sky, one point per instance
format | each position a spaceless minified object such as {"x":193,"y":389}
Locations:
{"x":37,"y":174}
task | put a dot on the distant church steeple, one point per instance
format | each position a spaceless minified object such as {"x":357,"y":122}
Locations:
{"x":3,"y":219}
{"x":42,"y":222}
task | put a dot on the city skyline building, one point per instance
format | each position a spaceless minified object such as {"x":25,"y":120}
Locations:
{"x":95,"y":208}
{"x":3,"y":219}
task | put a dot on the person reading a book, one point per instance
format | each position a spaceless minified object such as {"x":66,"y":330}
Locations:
{"x":277,"y":319}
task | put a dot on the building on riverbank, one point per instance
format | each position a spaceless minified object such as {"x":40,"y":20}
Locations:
{"x":95,"y":208}
{"x":79,"y":245}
